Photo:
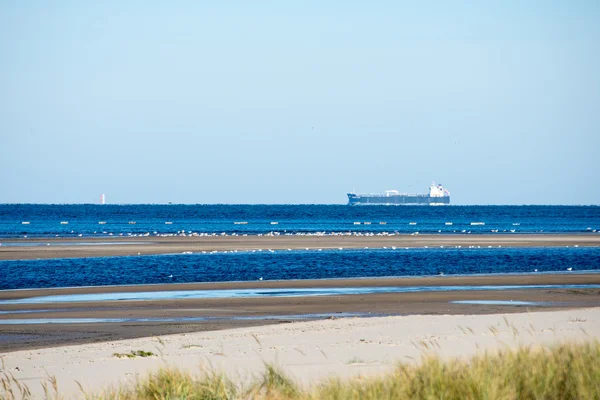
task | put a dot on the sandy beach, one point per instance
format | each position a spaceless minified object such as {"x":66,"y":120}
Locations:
{"x":34,"y":248}
{"x":306,"y":351}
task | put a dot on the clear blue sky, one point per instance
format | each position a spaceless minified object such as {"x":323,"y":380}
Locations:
{"x":299,"y":101}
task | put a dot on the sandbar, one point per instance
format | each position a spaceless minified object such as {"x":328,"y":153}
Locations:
{"x":151,"y":245}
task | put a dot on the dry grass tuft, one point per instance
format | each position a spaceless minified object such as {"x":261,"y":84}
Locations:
{"x":134,"y":354}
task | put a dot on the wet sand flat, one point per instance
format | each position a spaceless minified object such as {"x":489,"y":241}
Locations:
{"x":224,"y":313}
{"x":44,"y":248}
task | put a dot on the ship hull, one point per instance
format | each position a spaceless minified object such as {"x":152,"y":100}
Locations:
{"x":357,"y":199}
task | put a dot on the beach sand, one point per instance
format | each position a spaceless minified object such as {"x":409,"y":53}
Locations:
{"x":121,"y":246}
{"x":306,"y":351}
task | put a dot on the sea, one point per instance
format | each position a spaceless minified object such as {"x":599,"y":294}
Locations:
{"x":131,"y":221}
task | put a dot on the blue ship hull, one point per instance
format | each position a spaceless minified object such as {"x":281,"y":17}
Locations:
{"x":397,"y":199}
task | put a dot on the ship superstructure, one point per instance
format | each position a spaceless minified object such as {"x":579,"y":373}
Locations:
{"x":437,"y":196}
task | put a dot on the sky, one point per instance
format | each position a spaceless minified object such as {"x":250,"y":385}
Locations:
{"x":299,"y":101}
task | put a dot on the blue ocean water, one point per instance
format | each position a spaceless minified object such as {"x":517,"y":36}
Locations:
{"x":295,"y":264}
{"x":18,"y":220}
{"x":113,"y":220}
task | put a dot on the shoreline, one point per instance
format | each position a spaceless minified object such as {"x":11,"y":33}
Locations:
{"x":228,"y":313}
{"x":27,"y":248}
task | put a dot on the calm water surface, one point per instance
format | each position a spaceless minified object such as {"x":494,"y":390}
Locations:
{"x":296,"y":264}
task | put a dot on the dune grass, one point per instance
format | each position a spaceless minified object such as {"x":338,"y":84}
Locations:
{"x":566,"y":371}
{"x":561,"y":372}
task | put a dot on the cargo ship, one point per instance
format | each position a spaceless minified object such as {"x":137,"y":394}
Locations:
{"x":437,"y":196}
